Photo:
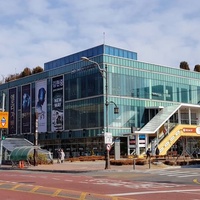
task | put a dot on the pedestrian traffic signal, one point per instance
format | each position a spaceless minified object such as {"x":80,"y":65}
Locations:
{"x":3,"y":137}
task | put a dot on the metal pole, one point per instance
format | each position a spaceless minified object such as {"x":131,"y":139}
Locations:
{"x":107,"y":159}
{"x":149,"y":162}
{"x":133,"y":163}
{"x":107,"y":164}
{"x":1,"y":142}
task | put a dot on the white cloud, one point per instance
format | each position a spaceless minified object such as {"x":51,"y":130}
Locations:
{"x":37,"y":31}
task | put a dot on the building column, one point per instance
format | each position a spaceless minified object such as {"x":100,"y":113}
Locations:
{"x":189,"y":116}
{"x":146,"y":141}
{"x":137,"y":144}
{"x":179,"y":116}
{"x":198,"y":118}
{"x":128,"y":146}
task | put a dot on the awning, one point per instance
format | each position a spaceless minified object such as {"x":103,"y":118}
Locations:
{"x":158,"y":120}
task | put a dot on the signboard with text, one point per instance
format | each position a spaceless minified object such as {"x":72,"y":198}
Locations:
{"x":108,"y":138}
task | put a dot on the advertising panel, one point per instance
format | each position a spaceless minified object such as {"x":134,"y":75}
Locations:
{"x":57,"y":104}
{"x":4,"y":120}
{"x":12,"y":111}
{"x":26,"y":109}
{"x":41,"y":105}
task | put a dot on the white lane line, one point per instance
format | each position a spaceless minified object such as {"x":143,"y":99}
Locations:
{"x":183,"y":176}
{"x":56,"y":179}
{"x":153,"y":192}
{"x":179,"y":174}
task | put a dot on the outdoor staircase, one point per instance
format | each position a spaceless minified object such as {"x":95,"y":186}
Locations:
{"x":174,"y":135}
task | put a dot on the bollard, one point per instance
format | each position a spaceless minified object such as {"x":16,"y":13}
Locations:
{"x":133,"y":163}
{"x":20,"y":166}
{"x":149,"y":162}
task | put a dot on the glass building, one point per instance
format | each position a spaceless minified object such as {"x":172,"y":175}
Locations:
{"x":73,"y":100}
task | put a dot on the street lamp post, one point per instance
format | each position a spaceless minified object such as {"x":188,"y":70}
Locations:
{"x":116,"y":109}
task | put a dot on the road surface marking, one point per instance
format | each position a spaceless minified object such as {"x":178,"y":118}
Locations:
{"x":179,"y":174}
{"x":83,"y":195}
{"x":153,"y":192}
{"x":69,"y":180}
{"x":196,"y":181}
{"x":56,"y":192}
{"x":16,"y":186}
{"x":35,"y":189}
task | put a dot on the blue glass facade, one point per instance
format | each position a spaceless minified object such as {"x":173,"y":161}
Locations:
{"x":132,"y":85}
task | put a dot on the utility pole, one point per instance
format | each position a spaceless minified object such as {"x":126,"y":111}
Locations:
{"x":1,"y":142}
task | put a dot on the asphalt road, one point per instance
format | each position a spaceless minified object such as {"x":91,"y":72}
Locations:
{"x":149,"y":184}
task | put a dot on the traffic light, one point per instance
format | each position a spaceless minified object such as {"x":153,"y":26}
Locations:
{"x":3,"y":134}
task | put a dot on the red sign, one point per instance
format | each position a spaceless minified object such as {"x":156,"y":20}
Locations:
{"x":108,"y":147}
{"x":189,"y":130}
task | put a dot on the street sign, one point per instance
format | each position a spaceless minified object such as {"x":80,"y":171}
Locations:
{"x":108,"y":138}
{"x":3,"y":119}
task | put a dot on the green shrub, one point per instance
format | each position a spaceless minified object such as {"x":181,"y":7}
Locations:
{"x":41,"y":159}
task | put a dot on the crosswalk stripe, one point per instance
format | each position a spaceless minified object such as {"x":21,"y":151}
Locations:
{"x":175,"y":173}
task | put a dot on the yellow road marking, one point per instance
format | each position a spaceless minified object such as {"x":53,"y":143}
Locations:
{"x":35,"y":188}
{"x":114,"y":198}
{"x":83,"y":195}
{"x":196,"y":181}
{"x":16,"y":186}
{"x":56,"y":192}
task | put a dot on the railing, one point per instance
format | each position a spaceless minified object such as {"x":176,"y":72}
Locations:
{"x":162,"y":135}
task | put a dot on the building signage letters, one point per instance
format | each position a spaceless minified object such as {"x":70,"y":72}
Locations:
{"x":189,"y":130}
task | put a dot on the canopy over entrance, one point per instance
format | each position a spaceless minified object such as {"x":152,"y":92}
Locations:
{"x":22,"y":153}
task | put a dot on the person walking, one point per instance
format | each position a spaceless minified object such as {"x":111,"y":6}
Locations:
{"x":148,"y":153}
{"x":58,"y":156}
{"x":157,"y":152}
{"x":62,"y":155}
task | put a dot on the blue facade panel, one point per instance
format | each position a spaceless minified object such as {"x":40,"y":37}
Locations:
{"x":92,"y":52}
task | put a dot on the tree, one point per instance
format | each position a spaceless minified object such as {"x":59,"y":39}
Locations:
{"x":197,"y":68}
{"x":11,"y":77}
{"x":26,"y":72}
{"x":37,"y":69}
{"x":184,"y":65}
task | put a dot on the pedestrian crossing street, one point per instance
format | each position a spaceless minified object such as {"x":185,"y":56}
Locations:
{"x":179,"y":173}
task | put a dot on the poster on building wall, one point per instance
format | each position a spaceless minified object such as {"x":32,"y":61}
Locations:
{"x":41,"y":105}
{"x":57,"y":104}
{"x":12,"y":111}
{"x":26,"y":109}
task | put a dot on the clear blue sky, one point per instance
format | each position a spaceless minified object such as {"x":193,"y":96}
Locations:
{"x":33,"y":32}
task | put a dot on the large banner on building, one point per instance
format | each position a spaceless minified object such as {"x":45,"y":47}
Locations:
{"x":41,"y":105}
{"x":26,"y":109}
{"x":57,"y":104}
{"x":12,"y":111}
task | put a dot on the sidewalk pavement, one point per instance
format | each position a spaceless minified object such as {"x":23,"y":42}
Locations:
{"x":85,"y":166}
